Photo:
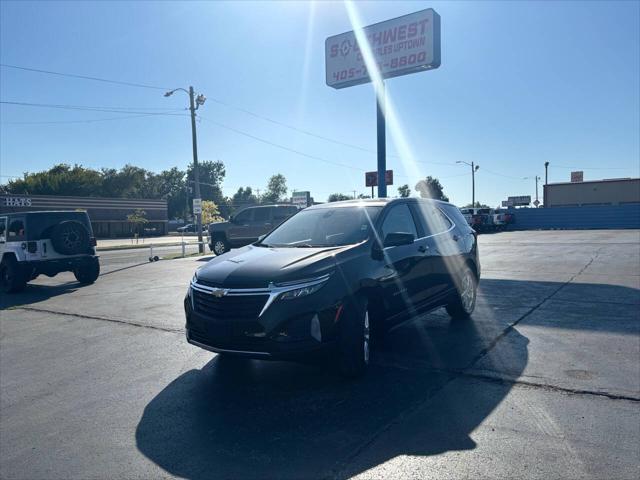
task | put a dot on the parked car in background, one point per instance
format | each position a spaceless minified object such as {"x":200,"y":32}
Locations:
{"x":501,"y":218}
{"x":188,"y":228}
{"x":247,"y":226}
{"x":332,"y":277}
{"x":36,"y":243}
{"x":479,"y":219}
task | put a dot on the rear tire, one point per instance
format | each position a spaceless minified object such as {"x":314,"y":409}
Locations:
{"x":464,"y":301}
{"x":12,"y":279}
{"x":88,"y":273}
{"x":219,"y":245}
{"x":354,"y":341}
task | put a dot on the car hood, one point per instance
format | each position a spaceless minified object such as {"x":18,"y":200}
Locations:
{"x":256,"y":267}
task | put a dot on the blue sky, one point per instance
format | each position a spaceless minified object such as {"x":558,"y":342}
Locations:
{"x":521,"y":83}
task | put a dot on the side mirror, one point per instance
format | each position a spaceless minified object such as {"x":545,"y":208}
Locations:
{"x":395,"y":239}
{"x":231,"y":218}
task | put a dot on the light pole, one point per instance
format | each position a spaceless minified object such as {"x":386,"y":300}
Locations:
{"x":474,"y":169}
{"x":194,"y":104}
{"x":537,"y":201}
{"x":546,"y":181}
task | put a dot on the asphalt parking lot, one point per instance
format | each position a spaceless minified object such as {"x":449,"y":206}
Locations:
{"x":544,"y":382}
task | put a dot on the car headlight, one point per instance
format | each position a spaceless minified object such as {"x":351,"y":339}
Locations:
{"x":301,"y":292}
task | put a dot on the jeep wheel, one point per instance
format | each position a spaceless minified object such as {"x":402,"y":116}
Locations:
{"x":88,"y":272}
{"x":12,"y":279}
{"x":70,"y":238}
{"x":219,"y":245}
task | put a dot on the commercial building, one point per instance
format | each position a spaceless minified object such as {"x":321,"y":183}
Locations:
{"x":108,"y":215}
{"x":615,"y":191}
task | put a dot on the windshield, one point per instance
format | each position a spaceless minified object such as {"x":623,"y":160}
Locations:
{"x":324,"y":227}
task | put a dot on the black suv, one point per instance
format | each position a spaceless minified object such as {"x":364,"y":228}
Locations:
{"x":34,"y":243}
{"x":247,"y":226}
{"x":332,"y":277}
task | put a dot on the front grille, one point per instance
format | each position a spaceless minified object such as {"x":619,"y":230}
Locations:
{"x":231,"y":308}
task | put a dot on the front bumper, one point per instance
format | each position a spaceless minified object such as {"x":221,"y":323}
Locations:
{"x":284,"y":330}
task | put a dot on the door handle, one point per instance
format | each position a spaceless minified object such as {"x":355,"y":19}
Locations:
{"x":456,"y":238}
{"x":423,"y":248}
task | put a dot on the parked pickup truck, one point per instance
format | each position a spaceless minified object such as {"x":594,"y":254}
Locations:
{"x":487,"y":219}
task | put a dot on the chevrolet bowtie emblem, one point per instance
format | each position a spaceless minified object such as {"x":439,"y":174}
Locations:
{"x":219,"y":292}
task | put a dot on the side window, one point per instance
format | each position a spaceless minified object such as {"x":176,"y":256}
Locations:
{"x":399,"y":220}
{"x":434,"y":221}
{"x":3,"y":229}
{"x":280,"y":213}
{"x":262,"y":214}
{"x":244,"y":216}
{"x":15,"y":230}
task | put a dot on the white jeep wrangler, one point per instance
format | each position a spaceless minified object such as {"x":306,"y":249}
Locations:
{"x":34,"y":243}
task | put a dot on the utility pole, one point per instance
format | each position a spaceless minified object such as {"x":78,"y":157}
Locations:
{"x":196,"y":167}
{"x":474,"y":169}
{"x":381,"y":142}
{"x":537,"y":202}
{"x":194,"y":104}
{"x":354,"y":194}
{"x":546,"y":181}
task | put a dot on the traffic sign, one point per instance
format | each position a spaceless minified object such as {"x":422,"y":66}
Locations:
{"x":197,"y":205}
{"x":536,"y":202}
{"x":371,"y":178}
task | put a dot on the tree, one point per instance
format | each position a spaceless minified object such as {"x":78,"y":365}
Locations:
{"x":137,"y":219}
{"x":431,"y":187}
{"x":476,"y":205}
{"x":61,"y":179}
{"x":362,"y":196}
{"x":276,"y":189}
{"x":404,"y":191}
{"x":211,"y":176}
{"x":243,"y":198}
{"x":338,"y":197}
{"x":210,"y":212}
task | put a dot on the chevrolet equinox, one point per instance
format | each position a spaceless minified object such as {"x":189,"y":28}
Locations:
{"x":333,"y":277}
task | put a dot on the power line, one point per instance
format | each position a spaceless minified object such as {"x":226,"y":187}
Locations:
{"x":84,"y":77}
{"x":79,"y":121}
{"x":277,"y":145}
{"x":587,"y":168}
{"x":132,"y":110}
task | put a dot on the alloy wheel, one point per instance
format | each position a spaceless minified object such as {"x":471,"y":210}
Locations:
{"x":467,"y":293}
{"x":218,"y":247}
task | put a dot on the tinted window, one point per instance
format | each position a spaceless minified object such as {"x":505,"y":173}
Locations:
{"x":244,"y":216}
{"x":323,"y":227}
{"x":280,"y":213}
{"x":262,"y":214}
{"x":39,"y":224}
{"x":399,"y":220}
{"x":16,"y":229}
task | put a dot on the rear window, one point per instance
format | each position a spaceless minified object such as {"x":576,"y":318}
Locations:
{"x":39,"y":224}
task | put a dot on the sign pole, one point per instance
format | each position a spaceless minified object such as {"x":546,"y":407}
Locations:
{"x":382,"y":142}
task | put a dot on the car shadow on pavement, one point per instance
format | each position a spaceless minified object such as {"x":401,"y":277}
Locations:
{"x":248,"y":419}
{"x":35,"y":293}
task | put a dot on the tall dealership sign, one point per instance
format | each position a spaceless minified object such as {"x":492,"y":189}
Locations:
{"x":399,"y":46}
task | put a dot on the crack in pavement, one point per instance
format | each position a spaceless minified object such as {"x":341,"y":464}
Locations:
{"x":104,"y":319}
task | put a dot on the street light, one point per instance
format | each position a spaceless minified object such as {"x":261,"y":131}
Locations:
{"x":474,"y":169}
{"x":194,"y":104}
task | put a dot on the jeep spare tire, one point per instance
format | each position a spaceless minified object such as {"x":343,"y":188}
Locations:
{"x":70,"y":238}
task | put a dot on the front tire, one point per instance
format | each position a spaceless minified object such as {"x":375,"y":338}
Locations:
{"x":88,"y":273}
{"x":12,"y":279}
{"x":219,"y":245}
{"x":354,"y":341}
{"x":464,"y":301}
